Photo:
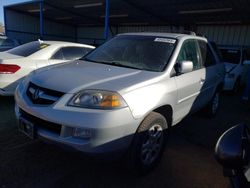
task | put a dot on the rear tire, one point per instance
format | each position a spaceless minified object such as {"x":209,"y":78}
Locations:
{"x":148,"y":144}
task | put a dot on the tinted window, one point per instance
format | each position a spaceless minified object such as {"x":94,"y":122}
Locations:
{"x":7,"y":43}
{"x":137,"y":52}
{"x":189,"y":52}
{"x":230,"y":55}
{"x":217,"y":51}
{"x":246,"y":54}
{"x":58,"y":55}
{"x":72,"y":53}
{"x":28,"y":49}
{"x":206,"y":54}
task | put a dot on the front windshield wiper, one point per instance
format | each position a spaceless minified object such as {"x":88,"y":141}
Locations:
{"x":116,"y":63}
{"x":120,"y":64}
{"x":90,"y":60}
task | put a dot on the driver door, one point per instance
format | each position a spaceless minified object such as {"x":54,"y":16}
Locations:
{"x":189,"y":84}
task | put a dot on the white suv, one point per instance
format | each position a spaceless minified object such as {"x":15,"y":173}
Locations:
{"x":122,"y":96}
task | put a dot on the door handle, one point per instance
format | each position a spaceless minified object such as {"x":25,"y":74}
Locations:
{"x":202,"y":81}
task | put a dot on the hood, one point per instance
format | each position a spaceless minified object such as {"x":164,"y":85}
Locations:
{"x":6,"y":56}
{"x":229,"y":66}
{"x":75,"y":76}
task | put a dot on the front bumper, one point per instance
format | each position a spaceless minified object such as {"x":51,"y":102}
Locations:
{"x":111,"y":130}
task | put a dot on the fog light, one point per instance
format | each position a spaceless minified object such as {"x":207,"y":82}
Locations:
{"x":83,"y":133}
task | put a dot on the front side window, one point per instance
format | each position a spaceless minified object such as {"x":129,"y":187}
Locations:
{"x":189,"y":52}
{"x":136,"y":52}
{"x":28,"y":49}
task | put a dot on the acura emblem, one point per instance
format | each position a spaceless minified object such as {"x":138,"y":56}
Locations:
{"x":36,"y":95}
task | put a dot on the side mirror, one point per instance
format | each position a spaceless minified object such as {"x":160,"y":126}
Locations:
{"x":185,"y":67}
{"x":246,"y":62}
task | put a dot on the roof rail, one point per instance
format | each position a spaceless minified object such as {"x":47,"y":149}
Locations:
{"x":189,"y":32}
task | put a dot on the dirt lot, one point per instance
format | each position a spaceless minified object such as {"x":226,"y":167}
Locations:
{"x":188,"y":160}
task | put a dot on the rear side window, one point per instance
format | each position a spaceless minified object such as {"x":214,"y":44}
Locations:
{"x":28,"y":49}
{"x":70,"y":53}
{"x":206,"y":54}
{"x":231,"y":55}
{"x":58,"y":55}
{"x":189,"y":52}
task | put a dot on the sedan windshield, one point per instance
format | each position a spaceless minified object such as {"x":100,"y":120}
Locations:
{"x":137,"y":52}
{"x":28,"y":49}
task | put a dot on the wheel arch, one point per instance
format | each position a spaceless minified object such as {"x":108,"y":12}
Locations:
{"x":167,"y":112}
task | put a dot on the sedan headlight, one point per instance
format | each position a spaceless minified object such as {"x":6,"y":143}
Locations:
{"x":97,"y":99}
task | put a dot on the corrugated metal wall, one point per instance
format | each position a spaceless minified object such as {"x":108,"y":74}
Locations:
{"x":126,"y":29}
{"x":27,"y":28}
{"x":90,"y":35}
{"x":236,"y":35}
{"x":94,"y":35}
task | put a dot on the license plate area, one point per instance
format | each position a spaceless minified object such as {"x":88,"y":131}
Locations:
{"x":27,"y":127}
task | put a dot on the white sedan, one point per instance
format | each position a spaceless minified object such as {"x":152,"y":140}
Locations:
{"x":18,"y":62}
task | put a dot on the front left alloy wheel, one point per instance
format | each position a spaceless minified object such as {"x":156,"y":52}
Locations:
{"x":148,"y":144}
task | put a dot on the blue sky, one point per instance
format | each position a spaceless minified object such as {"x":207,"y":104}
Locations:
{"x":7,"y":2}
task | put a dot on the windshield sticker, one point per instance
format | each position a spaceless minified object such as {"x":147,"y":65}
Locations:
{"x":171,"y":41}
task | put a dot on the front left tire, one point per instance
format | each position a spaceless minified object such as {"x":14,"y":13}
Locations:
{"x":148,"y":144}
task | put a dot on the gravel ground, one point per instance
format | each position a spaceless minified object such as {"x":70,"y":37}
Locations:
{"x":188,"y":160}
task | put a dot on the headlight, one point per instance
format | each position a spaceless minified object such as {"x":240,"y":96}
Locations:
{"x":97,"y":99}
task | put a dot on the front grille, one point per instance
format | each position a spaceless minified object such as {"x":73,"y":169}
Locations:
{"x":43,"y":96}
{"x":46,"y":125}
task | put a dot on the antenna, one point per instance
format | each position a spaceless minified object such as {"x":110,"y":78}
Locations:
{"x":40,"y":41}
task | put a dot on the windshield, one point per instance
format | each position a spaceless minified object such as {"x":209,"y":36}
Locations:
{"x":137,"y":52}
{"x":28,"y":49}
{"x":230,"y":56}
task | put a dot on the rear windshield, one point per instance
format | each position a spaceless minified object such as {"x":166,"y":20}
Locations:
{"x":230,"y":56}
{"x":136,"y":52}
{"x":28,"y":49}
